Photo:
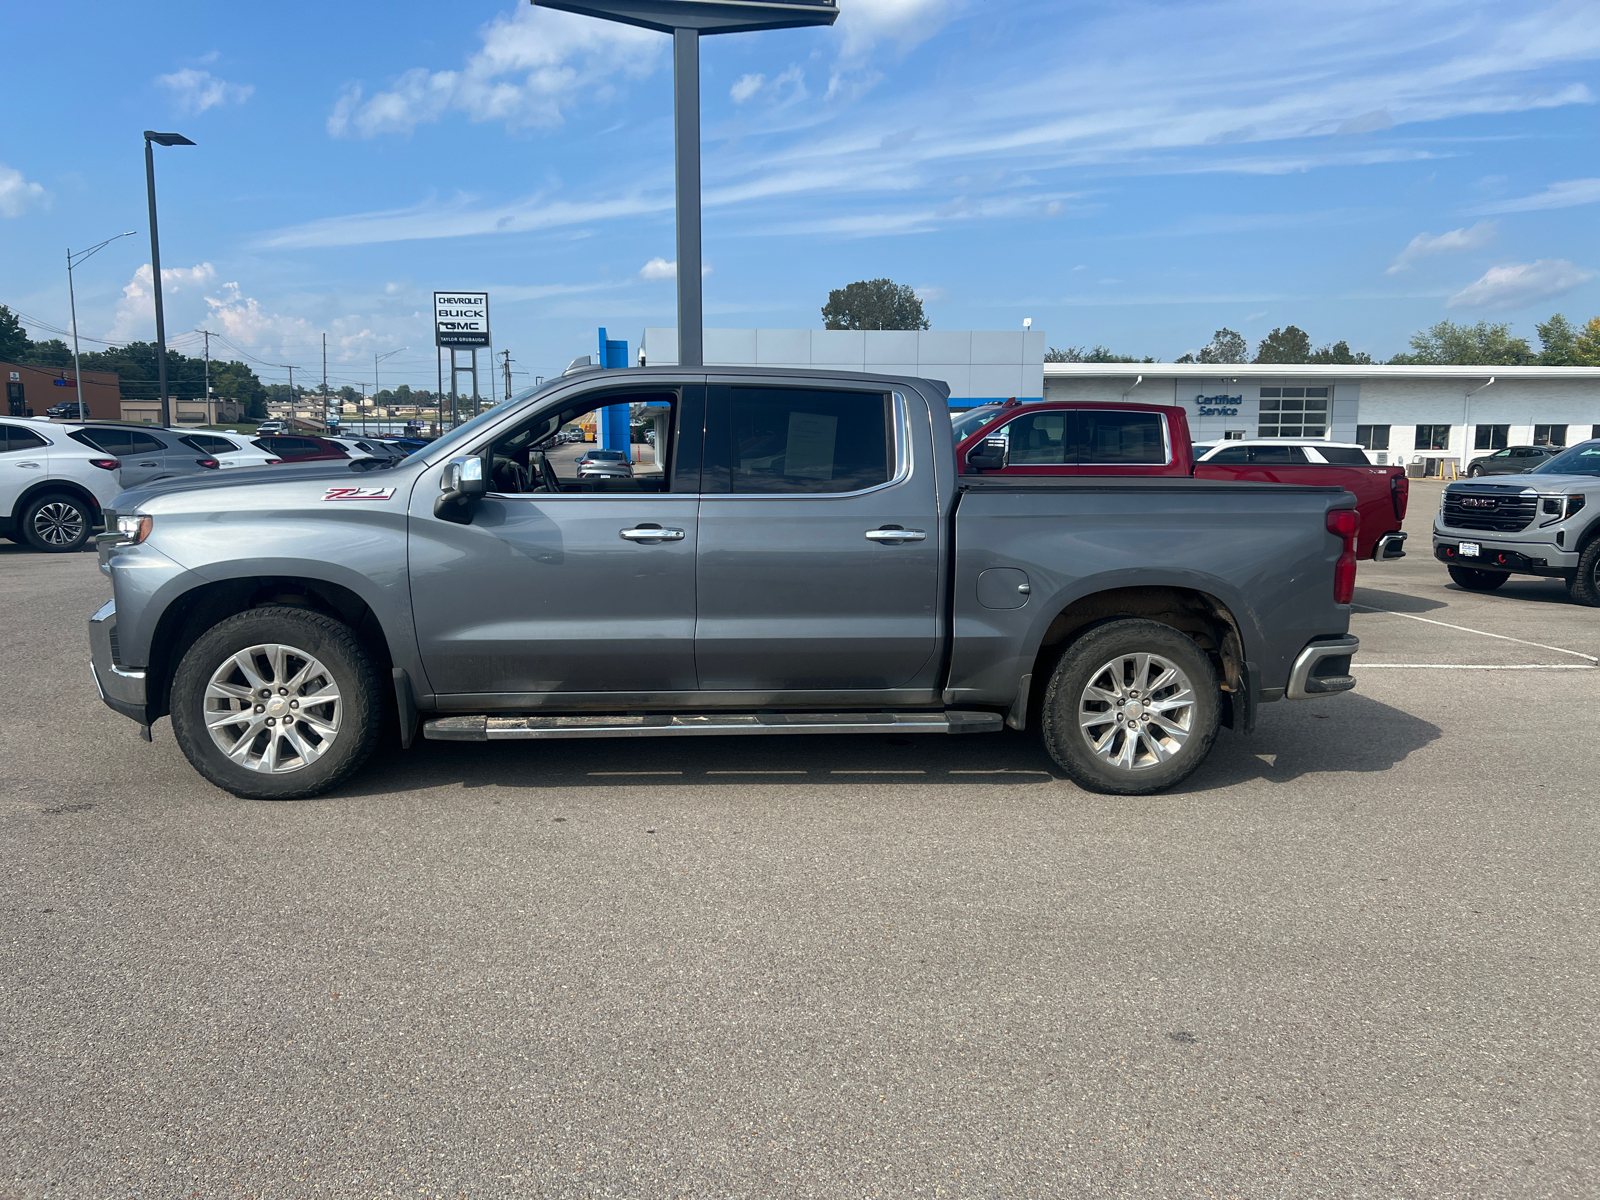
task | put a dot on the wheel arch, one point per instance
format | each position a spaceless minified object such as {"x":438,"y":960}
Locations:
{"x":1198,"y":614}
{"x":197,"y":610}
{"x":47,"y":486}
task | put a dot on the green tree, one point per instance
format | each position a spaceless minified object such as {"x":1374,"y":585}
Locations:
{"x":1480,"y":345}
{"x":14,"y":343}
{"x":1556,"y":337}
{"x":1099,"y":354}
{"x":54,"y":353}
{"x":873,"y":304}
{"x":1340,"y":352}
{"x":1586,"y":346}
{"x":1226,"y":346}
{"x":1288,"y":345}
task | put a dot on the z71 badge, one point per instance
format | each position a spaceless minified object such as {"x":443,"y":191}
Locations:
{"x":359,"y":493}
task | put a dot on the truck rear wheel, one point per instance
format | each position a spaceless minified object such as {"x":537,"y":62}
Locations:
{"x":276,"y":704}
{"x":1585,"y":585}
{"x":1475,"y":580}
{"x":1132,"y":708}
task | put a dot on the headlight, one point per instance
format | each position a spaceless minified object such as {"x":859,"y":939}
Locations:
{"x":134,"y":528}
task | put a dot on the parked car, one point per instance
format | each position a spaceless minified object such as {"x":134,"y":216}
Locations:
{"x":1545,"y":523}
{"x":301,"y":447}
{"x":604,"y":464}
{"x":1382,"y":493}
{"x":409,"y":444}
{"x":231,"y":450}
{"x":52,"y":489}
{"x":1060,"y":438}
{"x":807,"y":561}
{"x":272,"y":426}
{"x":67,"y":410}
{"x":363,"y":447}
{"x":1512,"y":461}
{"x":147,"y":453}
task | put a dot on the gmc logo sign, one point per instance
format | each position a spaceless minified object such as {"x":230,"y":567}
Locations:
{"x":1477,"y":502}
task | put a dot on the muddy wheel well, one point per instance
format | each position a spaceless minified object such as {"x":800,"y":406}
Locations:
{"x":197,"y":611}
{"x":1201,"y":616}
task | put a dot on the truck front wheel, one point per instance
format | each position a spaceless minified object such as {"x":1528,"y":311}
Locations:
{"x":1132,"y":708}
{"x":276,"y":704}
{"x":1585,"y":585}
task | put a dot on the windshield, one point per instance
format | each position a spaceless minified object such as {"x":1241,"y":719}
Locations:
{"x":465,"y":433}
{"x":974,"y":419}
{"x":1582,"y":459}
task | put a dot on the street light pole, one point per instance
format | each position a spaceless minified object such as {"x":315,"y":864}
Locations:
{"x":74,"y":260}
{"x":160,"y":139}
{"x":687,"y":21}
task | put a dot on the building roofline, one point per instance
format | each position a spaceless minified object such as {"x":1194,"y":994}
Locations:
{"x":1312,"y":370}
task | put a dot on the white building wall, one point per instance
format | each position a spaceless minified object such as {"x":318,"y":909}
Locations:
{"x":977,"y":365}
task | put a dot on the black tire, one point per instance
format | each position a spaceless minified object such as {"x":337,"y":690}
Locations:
{"x":1475,"y":580}
{"x":358,"y":717}
{"x":1086,"y":661}
{"x":57,"y":523}
{"x":1584,"y":587}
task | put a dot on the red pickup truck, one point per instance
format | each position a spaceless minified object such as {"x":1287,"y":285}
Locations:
{"x":1087,"y":438}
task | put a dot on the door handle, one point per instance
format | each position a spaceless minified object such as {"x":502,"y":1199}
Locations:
{"x":150,"y":464}
{"x":30,"y":466}
{"x":650,"y":533}
{"x":895,"y":535}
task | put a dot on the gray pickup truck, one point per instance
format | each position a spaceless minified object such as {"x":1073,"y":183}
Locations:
{"x":798,"y":555}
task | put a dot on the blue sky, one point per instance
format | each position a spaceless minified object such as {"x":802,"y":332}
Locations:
{"x":1129,"y":174}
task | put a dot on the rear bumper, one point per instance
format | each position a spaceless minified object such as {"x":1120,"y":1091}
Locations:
{"x":1390,"y":545}
{"x":1323,"y":668}
{"x":122,"y":690}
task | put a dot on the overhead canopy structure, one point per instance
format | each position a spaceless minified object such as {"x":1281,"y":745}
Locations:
{"x":686,"y":20}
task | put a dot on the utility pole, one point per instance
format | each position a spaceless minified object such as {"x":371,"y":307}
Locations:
{"x":207,"y":396}
{"x":291,"y":397}
{"x":506,"y":354}
{"x":325,"y":381}
{"x":72,"y":296}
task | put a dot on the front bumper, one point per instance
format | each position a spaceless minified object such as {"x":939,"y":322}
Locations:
{"x":1502,"y":554}
{"x":122,"y":690}
{"x":1323,"y":668}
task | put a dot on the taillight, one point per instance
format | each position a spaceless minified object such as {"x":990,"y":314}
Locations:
{"x":1400,"y":494}
{"x":105,"y":464}
{"x":1345,"y":523}
{"x":209,"y":463}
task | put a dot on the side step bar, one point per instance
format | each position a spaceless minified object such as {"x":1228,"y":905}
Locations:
{"x":482,"y":728}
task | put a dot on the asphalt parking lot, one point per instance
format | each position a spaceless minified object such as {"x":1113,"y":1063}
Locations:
{"x":1354,"y":956}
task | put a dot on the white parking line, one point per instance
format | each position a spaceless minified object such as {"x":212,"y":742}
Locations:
{"x":1360,"y":666}
{"x":1481,"y":632}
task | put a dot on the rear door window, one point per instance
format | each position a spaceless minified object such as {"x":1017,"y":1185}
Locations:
{"x":143,"y":443}
{"x":797,"y":440}
{"x":1277,"y":456}
{"x":116,"y":442}
{"x":1233,"y":454}
{"x":1344,"y":456}
{"x":1118,"y":438}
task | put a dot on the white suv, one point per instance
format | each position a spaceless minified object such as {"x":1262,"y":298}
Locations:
{"x":229,"y":449}
{"x":52,"y":489}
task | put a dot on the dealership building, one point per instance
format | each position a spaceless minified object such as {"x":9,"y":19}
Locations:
{"x":1427,"y":415}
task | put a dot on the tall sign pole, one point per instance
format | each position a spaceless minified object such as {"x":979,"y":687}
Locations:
{"x":686,"y":21}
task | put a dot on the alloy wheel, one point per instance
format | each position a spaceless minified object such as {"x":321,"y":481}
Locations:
{"x":1137,"y":711}
{"x":273,"y":708}
{"x":59,"y":523}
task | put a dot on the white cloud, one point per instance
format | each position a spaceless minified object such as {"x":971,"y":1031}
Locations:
{"x":135,"y":316}
{"x":17,"y":195}
{"x":195,"y":91}
{"x":746,"y":86}
{"x":1456,"y":241}
{"x":1521,"y":283}
{"x":784,"y":89}
{"x":660,"y":268}
{"x":932,"y":295}
{"x":864,"y":23}
{"x":535,"y":63}
{"x":1569,"y":194}
{"x":243,"y":320}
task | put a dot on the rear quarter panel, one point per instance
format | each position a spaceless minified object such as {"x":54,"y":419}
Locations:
{"x":1263,"y":551}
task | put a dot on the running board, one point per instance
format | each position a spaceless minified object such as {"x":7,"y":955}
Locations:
{"x":482,"y":728}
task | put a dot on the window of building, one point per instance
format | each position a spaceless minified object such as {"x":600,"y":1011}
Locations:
{"x":1433,"y":437}
{"x":1491,"y":437}
{"x":1594,"y":431}
{"x":1372,"y":437}
{"x":809,"y":440}
{"x":1294,"y":412}
{"x":1549,"y":435}
{"x":1238,"y":435}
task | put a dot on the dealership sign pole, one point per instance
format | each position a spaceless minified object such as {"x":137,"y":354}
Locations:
{"x":461,"y":322}
{"x":686,"y":21}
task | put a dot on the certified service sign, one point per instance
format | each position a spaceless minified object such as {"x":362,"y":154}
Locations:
{"x":461,"y":319}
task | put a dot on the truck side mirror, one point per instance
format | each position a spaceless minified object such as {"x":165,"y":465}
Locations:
{"x":460,"y":486}
{"x":987,"y":455}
